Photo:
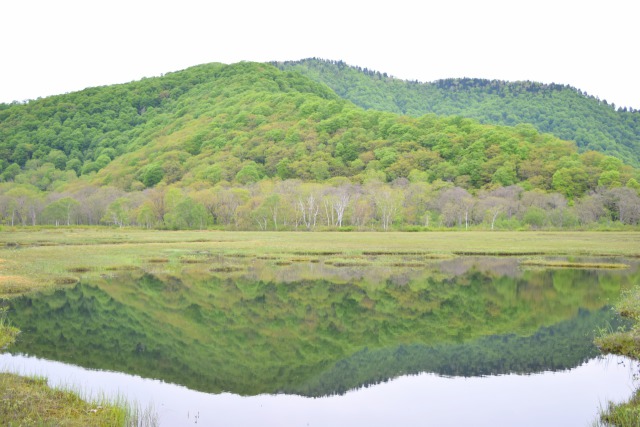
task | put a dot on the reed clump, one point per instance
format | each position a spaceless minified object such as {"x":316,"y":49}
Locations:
{"x":29,"y":401}
{"x":8,"y":333}
{"x":82,"y":269}
{"x":158,"y":260}
{"x":625,"y":342}
{"x":348,"y":262}
{"x":226,"y":269}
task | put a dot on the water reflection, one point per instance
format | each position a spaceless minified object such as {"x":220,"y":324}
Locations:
{"x":248,"y":326}
{"x":568,"y":398}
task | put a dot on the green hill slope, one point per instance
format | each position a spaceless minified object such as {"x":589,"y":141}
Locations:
{"x":561,"y":110}
{"x":225,"y":142}
{"x":248,"y":121}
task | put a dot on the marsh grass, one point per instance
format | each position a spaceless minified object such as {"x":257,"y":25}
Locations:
{"x":497,"y":253}
{"x":425,"y":255}
{"x":122,"y":268}
{"x":239,"y":255}
{"x":36,"y":259}
{"x":318,"y":253}
{"x":573,"y":264}
{"x":14,"y":286}
{"x":226,"y":269}
{"x":30,"y":401}
{"x":158,"y":260}
{"x":194,"y":260}
{"x":65,"y":280}
{"x":267,"y":257}
{"x":348,"y":262}
{"x":304,"y":259}
{"x":80,"y":269}
{"x":621,"y":415}
{"x":409,"y":264}
{"x":8,"y":333}
{"x":625,"y":342}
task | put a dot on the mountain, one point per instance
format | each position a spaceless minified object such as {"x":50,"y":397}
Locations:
{"x":561,"y":110}
{"x":253,"y":135}
{"x":248,"y":121}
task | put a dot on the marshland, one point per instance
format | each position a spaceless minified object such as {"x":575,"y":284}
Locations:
{"x":272,"y":320}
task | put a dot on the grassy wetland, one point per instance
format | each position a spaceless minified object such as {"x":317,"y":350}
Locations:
{"x":313,"y":314}
{"x":32,"y":260}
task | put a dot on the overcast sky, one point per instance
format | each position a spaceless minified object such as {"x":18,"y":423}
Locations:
{"x":51,"y":47}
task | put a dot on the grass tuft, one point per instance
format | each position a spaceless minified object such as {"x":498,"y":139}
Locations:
{"x":625,"y":342}
{"x":225,"y":269}
{"x":65,"y":280}
{"x":347,"y":262}
{"x":621,"y":415}
{"x":497,"y":253}
{"x":30,"y":401}
{"x":8,"y":333}
{"x":572,"y":264}
{"x":80,"y":269}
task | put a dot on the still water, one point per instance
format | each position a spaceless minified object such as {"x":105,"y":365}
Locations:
{"x":566,"y":398}
{"x":470,"y":341}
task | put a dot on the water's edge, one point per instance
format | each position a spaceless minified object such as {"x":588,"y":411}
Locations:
{"x":567,"y":398}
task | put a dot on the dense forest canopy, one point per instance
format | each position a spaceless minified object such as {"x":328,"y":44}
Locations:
{"x":251,"y":146}
{"x":562,"y":110}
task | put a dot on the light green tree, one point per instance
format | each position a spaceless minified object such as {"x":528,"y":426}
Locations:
{"x":61,"y":211}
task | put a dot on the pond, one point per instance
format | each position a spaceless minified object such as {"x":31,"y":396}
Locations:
{"x":465,"y":341}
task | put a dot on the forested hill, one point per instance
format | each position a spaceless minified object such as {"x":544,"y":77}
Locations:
{"x":564,"y":111}
{"x":232,"y":143}
{"x":248,"y":121}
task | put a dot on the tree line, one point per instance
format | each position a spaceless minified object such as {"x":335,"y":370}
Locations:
{"x":337,"y":204}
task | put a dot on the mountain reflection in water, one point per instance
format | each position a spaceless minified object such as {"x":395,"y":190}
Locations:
{"x":310,"y":328}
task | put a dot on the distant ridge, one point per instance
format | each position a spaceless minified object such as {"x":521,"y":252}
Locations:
{"x":561,"y":110}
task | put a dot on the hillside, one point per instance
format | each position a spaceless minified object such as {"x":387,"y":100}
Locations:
{"x":564,"y":111}
{"x":249,"y":131}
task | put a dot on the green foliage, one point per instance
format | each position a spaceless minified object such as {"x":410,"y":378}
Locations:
{"x":564,"y":111}
{"x":11,"y":172}
{"x":572,"y":182}
{"x":118,"y":212}
{"x":187,"y":214}
{"x":245,"y":122}
{"x":152,"y":175}
{"x":534,"y":217}
{"x":230,"y":136}
{"x":632,"y":183}
{"x":61,"y":211}
{"x":248,"y":174}
{"x":609,"y":178}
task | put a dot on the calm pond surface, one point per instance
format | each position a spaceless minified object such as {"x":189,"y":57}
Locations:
{"x":466,"y":341}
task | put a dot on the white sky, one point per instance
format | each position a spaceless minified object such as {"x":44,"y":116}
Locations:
{"x":51,"y":47}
